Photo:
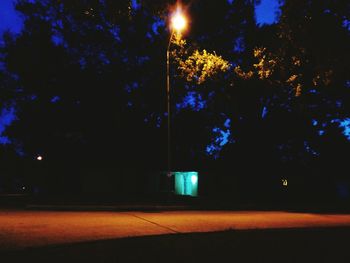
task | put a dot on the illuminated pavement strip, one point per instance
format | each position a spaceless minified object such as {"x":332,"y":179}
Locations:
{"x":21,"y":229}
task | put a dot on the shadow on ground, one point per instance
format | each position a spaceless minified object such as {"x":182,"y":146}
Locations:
{"x":278,"y":245}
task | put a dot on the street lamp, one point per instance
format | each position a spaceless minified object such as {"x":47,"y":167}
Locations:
{"x":178,"y":23}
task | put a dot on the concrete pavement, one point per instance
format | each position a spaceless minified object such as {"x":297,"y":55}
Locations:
{"x":22,"y":228}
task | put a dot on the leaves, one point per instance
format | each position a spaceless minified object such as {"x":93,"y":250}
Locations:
{"x":202,"y":65}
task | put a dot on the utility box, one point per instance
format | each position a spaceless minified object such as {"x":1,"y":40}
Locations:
{"x":186,"y":183}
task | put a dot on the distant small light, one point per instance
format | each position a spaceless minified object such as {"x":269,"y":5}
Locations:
{"x":23,"y":188}
{"x":285,"y":182}
{"x":39,"y":158}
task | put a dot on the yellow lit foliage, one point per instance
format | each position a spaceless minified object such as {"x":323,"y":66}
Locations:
{"x":298,"y":90}
{"x":296,"y":61}
{"x":265,"y":65}
{"x":294,"y":82}
{"x":202,"y":65}
{"x":292,"y":78}
{"x":284,"y":71}
{"x":178,"y":40}
{"x":268,"y":64}
{"x":242,"y":74}
{"x":323,"y":78}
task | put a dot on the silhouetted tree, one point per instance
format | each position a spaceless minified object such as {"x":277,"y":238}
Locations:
{"x":87,"y":79}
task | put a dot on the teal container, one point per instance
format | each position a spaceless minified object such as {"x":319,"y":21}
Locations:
{"x":186,"y":183}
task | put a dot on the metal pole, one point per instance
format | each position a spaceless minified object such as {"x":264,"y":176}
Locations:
{"x":168,"y":101}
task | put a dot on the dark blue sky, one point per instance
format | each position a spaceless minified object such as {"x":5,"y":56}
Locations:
{"x":266,"y":12}
{"x":9,"y":18}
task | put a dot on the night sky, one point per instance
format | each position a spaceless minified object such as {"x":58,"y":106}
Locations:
{"x":9,"y":18}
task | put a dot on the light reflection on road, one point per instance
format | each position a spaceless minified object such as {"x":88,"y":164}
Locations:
{"x":20,"y":229}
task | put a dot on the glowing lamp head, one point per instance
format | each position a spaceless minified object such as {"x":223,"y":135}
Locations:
{"x":178,"y":21}
{"x":39,"y":158}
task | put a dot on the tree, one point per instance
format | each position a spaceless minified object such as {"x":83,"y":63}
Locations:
{"x":302,"y":68}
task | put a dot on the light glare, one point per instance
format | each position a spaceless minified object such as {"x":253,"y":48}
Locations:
{"x":178,"y":21}
{"x":194,"y":179}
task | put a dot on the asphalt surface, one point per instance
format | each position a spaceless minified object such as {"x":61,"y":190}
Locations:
{"x":20,"y":229}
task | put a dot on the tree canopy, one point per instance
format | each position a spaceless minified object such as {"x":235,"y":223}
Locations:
{"x":87,"y":82}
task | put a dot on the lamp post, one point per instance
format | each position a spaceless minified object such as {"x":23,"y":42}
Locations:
{"x":178,"y":23}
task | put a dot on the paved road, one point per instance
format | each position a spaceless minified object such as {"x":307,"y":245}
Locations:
{"x":22,"y":229}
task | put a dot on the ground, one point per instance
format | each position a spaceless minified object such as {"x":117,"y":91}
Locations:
{"x":172,"y":236}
